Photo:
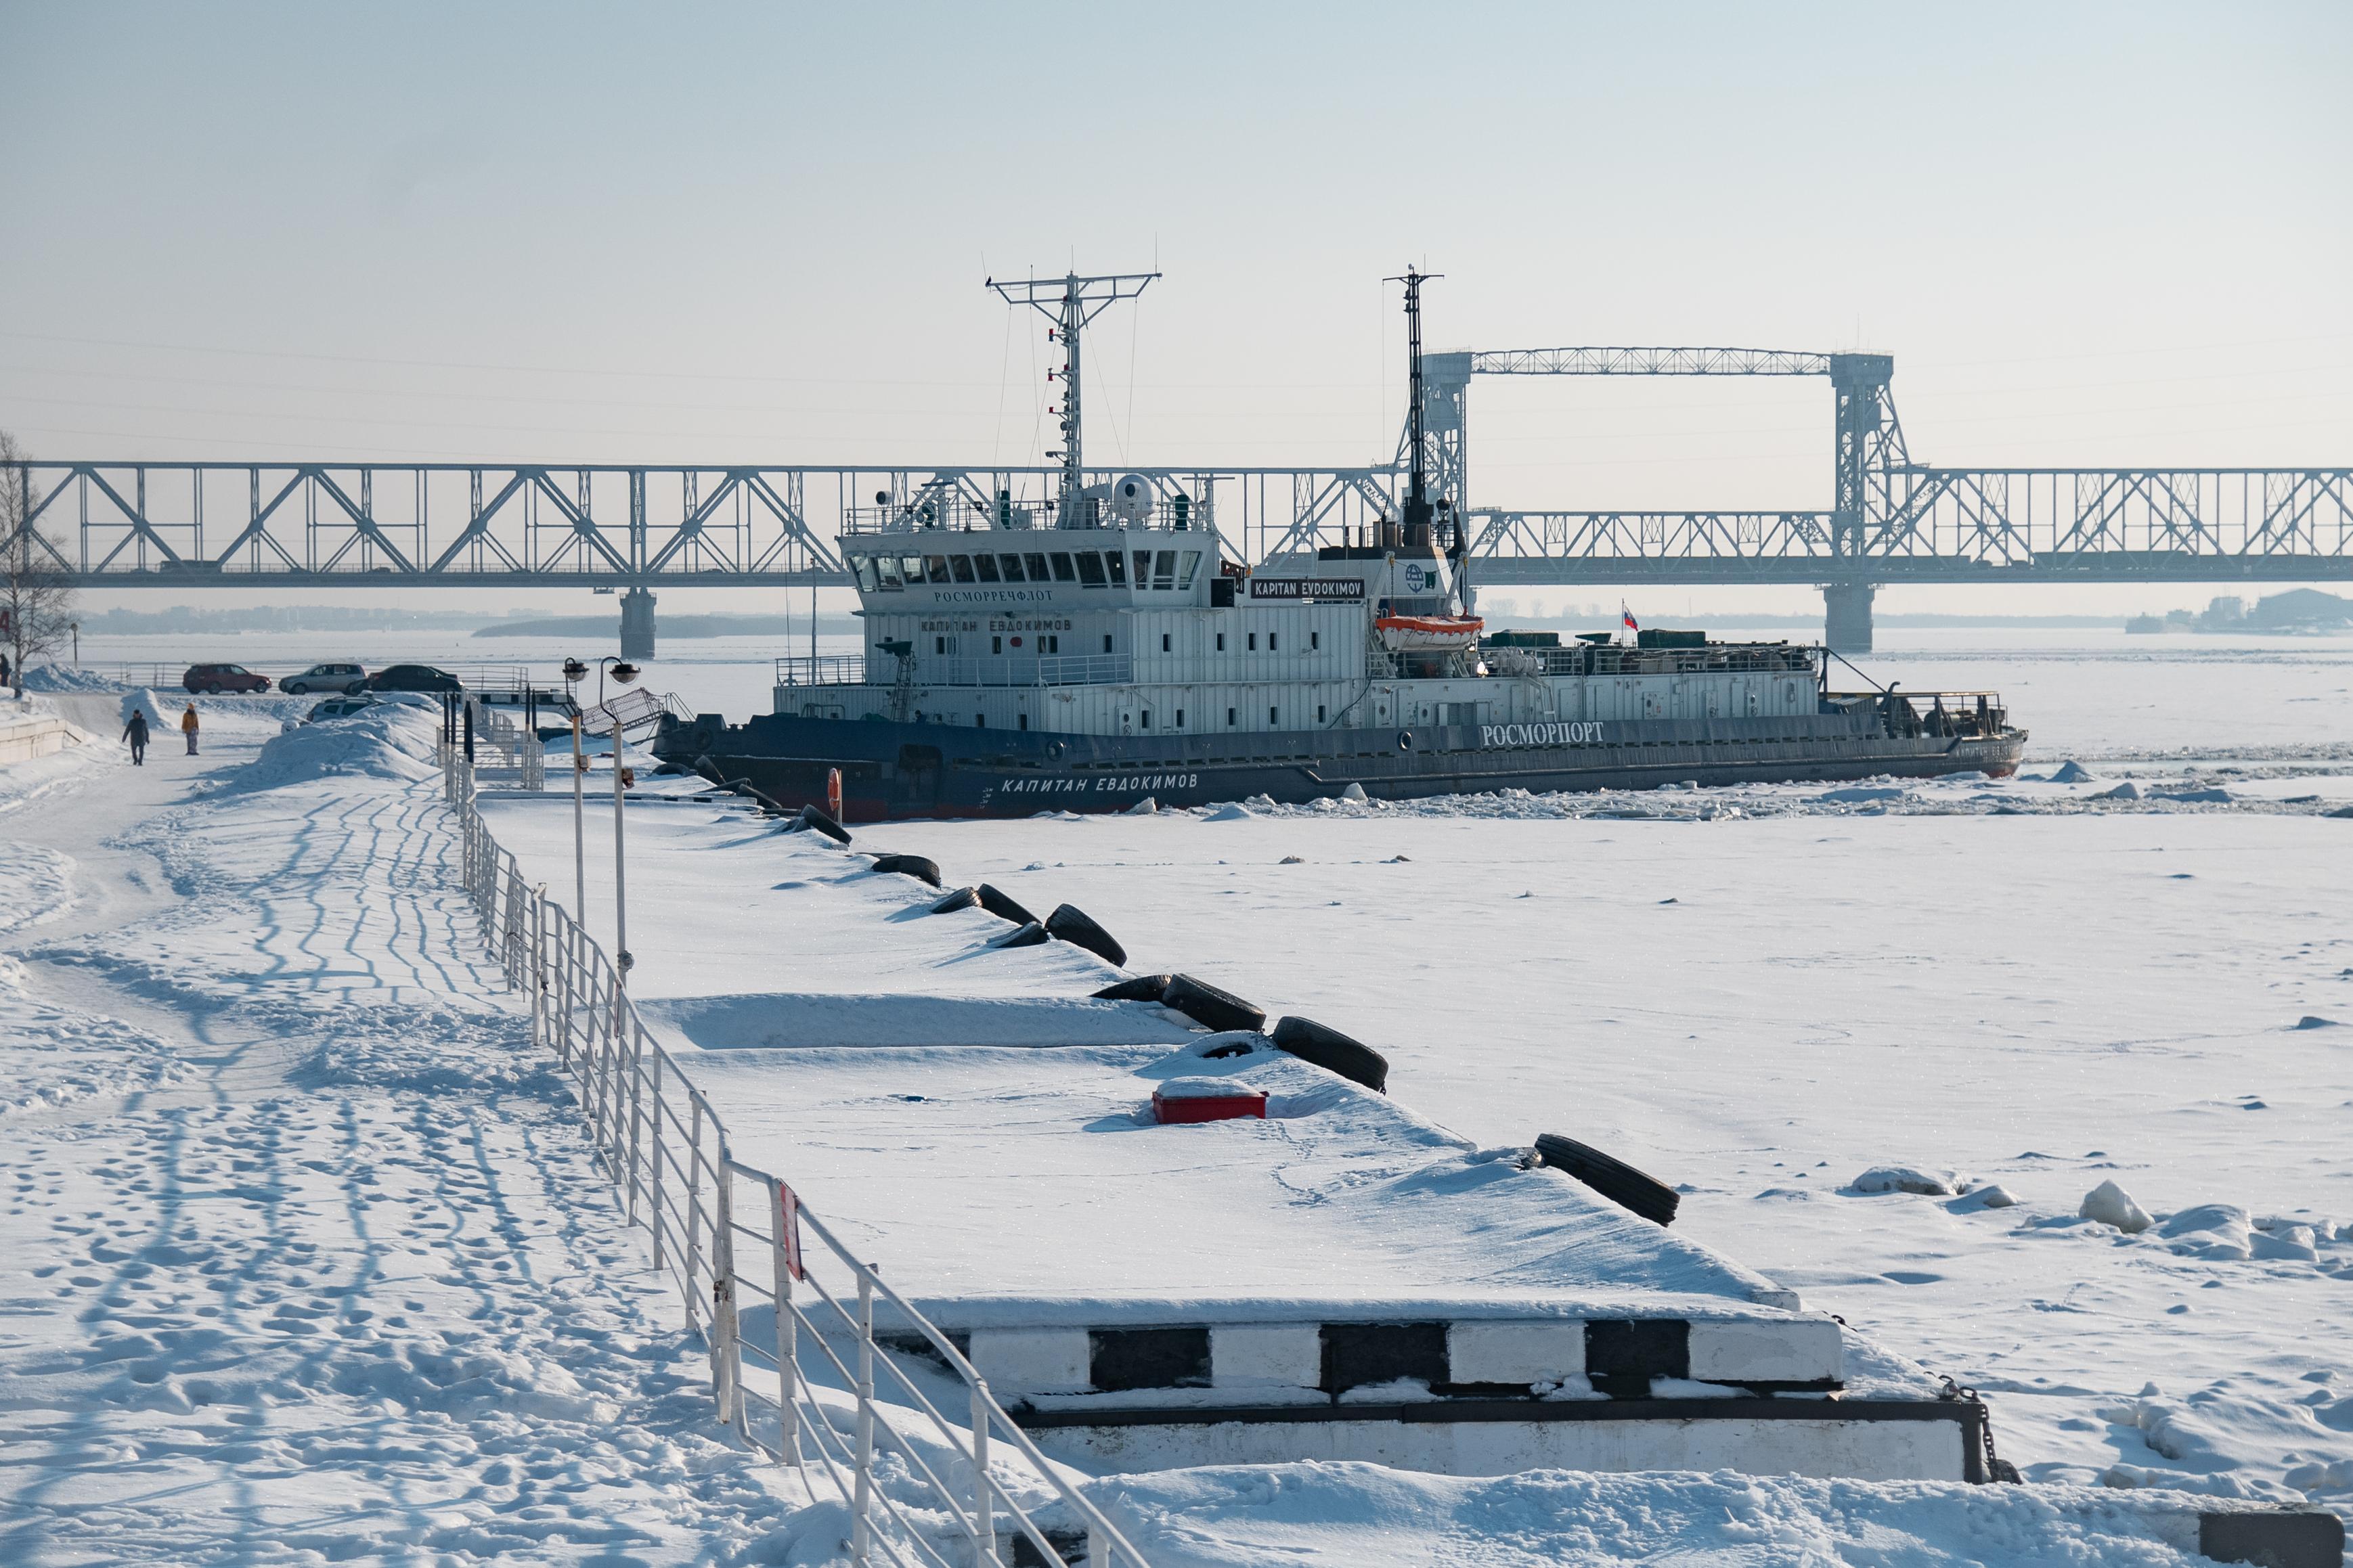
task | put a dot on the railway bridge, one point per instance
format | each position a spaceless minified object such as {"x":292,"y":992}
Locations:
{"x":636,"y":529}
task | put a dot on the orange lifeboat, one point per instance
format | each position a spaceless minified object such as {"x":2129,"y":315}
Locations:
{"x":1429,"y":633}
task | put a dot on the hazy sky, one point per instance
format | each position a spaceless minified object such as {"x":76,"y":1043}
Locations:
{"x":2088,"y":233}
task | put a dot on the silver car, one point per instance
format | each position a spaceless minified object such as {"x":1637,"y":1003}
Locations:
{"x":344,"y":677}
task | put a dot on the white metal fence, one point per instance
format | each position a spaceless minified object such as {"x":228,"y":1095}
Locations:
{"x":820,"y":1391}
{"x":506,"y":749}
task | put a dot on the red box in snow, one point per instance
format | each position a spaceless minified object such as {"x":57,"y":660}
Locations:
{"x":1206,"y":1100}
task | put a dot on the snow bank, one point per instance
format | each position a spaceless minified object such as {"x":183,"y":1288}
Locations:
{"x":57,"y":678}
{"x":1369,"y":1517}
{"x":1908,"y":1179}
{"x":2109,"y":1203}
{"x":393,"y":739}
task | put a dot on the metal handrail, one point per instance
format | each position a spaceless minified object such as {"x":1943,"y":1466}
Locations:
{"x":675,"y":1171}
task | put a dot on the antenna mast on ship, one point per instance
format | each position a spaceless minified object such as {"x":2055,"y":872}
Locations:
{"x":1417,"y":501}
{"x":1071,"y":302}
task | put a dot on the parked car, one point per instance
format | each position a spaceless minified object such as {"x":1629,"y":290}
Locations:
{"x":344,"y":677}
{"x":341,"y":708}
{"x":212,"y":679}
{"x":414,"y":677}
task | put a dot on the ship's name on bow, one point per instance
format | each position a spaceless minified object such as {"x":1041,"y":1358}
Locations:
{"x":1306,"y":587}
{"x":1586,"y":733}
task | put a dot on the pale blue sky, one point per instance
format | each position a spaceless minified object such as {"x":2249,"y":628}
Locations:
{"x":2094,"y":234}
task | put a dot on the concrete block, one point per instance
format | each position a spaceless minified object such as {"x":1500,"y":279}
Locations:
{"x":1262,"y":1355}
{"x":1031,"y":1360}
{"x":1802,"y":1349}
{"x":1515,"y":1352}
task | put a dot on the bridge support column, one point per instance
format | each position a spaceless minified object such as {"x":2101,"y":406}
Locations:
{"x":1847,"y":619}
{"x":638,"y":624}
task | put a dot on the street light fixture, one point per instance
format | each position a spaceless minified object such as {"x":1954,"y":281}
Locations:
{"x":624,"y":672}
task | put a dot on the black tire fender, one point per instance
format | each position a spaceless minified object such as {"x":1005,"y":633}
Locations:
{"x":1333,"y":1051}
{"x":1029,"y":935}
{"x":1212,"y":1008}
{"x":1138,"y":988}
{"x":961,"y":899}
{"x":1071,"y":925}
{"x":1620,"y":1182}
{"x":1003,"y":908}
{"x":812,"y":817}
{"x":921,"y":867}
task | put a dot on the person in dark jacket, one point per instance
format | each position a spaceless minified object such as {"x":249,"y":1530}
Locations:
{"x":136,"y":733}
{"x":188,"y":728}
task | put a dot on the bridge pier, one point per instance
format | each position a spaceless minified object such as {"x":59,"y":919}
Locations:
{"x":638,"y":624}
{"x":1847,"y":616}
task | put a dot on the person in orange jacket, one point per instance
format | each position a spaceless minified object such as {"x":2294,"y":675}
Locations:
{"x":188,"y":728}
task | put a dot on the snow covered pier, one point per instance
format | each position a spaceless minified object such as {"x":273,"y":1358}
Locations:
{"x":1338,"y":1279}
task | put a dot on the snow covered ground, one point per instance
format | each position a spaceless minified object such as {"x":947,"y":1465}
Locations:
{"x":306,"y":1261}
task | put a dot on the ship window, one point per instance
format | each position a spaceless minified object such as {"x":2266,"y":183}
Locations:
{"x":1253,"y":642}
{"x":1036,"y":563}
{"x":886,"y":567}
{"x":935,"y":567}
{"x":1012,"y":567}
{"x":939,"y":644}
{"x":1164,"y":570}
{"x":1143,"y":568}
{"x":995,"y":644}
{"x":1269,"y":715}
{"x":1090,"y":572}
{"x":1117,"y":561}
{"x":864,"y":566}
{"x":1271,"y":640}
{"x":1221,"y":642}
{"x":963,"y":567}
{"x":910,"y":567}
{"x":1180,"y":717}
{"x":1063,"y":571}
{"x":1106,"y":642}
{"x":1022,"y":721}
{"x":1319,"y":712}
{"x":980,"y":721}
{"x":1192,"y":564}
{"x":987,"y":566}
{"x":1145,"y":723}
{"x":1053,"y":645}
{"x":1164,"y":642}
{"x":1314,"y":641}
{"x":1230,"y":716}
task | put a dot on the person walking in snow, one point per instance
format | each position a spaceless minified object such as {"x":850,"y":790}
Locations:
{"x":136,"y":733}
{"x":188,"y":728}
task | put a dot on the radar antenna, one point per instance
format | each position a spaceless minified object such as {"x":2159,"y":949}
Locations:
{"x":1071,"y":302}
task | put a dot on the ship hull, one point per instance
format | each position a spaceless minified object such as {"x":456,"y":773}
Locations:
{"x":899,"y":770}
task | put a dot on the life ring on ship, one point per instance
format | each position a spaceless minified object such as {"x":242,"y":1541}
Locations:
{"x":1404,"y":740}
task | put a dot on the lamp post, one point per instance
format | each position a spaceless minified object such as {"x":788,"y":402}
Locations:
{"x":624,"y":672}
{"x":574,"y":673}
{"x":76,"y":626}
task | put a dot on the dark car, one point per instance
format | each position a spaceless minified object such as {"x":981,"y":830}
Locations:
{"x":344,"y":677}
{"x":212,"y":679}
{"x":414,"y":677}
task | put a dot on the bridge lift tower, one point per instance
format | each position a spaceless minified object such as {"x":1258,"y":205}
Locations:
{"x":1869,"y":441}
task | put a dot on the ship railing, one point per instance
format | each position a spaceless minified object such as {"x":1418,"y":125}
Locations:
{"x":956,"y":513}
{"x":499,"y":743}
{"x":1933,"y":713}
{"x":822,"y":670}
{"x":1064,"y":669}
{"x":800,"y":1331}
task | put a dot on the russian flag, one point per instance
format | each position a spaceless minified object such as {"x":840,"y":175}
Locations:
{"x":1627,"y":616}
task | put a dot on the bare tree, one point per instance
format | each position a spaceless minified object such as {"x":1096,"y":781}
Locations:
{"x":36,"y":595}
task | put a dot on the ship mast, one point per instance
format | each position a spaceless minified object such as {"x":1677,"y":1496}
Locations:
{"x":1417,"y":502}
{"x":1071,"y":302}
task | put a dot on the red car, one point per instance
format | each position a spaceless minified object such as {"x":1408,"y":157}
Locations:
{"x":212,"y":679}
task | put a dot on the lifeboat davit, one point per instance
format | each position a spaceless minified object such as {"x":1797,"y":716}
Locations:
{"x":1429,"y":633}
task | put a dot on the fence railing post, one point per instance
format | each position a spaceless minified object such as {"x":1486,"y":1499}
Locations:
{"x":693,"y":1206}
{"x":723,"y":1296}
{"x":984,"y":1510}
{"x":788,"y":1444}
{"x":654,"y":1164}
{"x":861,"y":1527}
{"x":637,"y":1100}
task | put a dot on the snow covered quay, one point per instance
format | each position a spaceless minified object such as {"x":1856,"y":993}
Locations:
{"x":316,"y":1262}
